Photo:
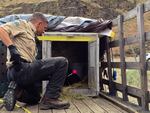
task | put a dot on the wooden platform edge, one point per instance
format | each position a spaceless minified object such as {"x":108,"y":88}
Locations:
{"x":124,"y":105}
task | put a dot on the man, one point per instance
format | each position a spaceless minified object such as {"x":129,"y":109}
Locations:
{"x":19,"y":36}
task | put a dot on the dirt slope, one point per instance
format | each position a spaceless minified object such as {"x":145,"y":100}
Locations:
{"x":106,"y":9}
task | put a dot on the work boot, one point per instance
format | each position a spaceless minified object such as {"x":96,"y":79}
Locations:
{"x":9,"y":97}
{"x":48,"y":103}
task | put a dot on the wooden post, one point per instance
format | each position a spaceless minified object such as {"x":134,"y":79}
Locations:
{"x":46,"y":53}
{"x":122,"y":57}
{"x":112,"y":89}
{"x":46,"y":49}
{"x":143,"y":70}
{"x":101,"y":68}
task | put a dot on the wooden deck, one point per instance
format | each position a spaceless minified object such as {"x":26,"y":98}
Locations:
{"x":88,"y":105}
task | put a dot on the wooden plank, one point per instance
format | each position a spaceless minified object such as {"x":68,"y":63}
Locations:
{"x":101,"y":69}
{"x":68,"y":38}
{"x":148,"y":65}
{"x":111,"y":85}
{"x":118,"y":86}
{"x":122,"y":57}
{"x":93,"y":66}
{"x":113,"y":64}
{"x":113,"y":105}
{"x":132,"y":65}
{"x":144,"y":85}
{"x":129,"y":107}
{"x":129,"y":15}
{"x":58,"y":111}
{"x":70,"y":34}
{"x":82,"y":107}
{"x":135,"y":92}
{"x":132,"y":13}
{"x":93,"y":106}
{"x":147,"y":6}
{"x":33,"y":109}
{"x":105,"y":105}
{"x":97,"y":60}
{"x":147,"y":36}
{"x":131,"y":40}
{"x":46,"y":53}
{"x":132,"y":91}
{"x":114,"y":43}
{"x":127,"y":41}
{"x":129,"y":65}
{"x":72,"y":109}
{"x":115,"y":22}
{"x":46,"y":49}
{"x":44,"y":111}
{"x":103,"y":64}
{"x":16,"y":110}
{"x":21,"y":107}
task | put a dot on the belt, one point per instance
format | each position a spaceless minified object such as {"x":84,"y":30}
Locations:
{"x":11,"y":72}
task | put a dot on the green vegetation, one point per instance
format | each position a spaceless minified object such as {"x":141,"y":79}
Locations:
{"x":133,"y":78}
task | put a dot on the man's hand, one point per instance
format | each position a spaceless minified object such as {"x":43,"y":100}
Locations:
{"x":15,"y":57}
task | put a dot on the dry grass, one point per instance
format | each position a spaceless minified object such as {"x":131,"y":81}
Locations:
{"x":67,"y":93}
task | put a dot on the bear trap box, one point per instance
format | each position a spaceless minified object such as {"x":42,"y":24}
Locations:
{"x":86,"y":45}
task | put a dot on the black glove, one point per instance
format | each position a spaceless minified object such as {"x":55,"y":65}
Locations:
{"x":15,"y":57}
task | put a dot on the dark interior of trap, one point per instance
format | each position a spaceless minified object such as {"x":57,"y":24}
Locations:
{"x":77,"y":55}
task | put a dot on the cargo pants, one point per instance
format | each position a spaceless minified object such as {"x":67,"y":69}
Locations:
{"x":52,"y":69}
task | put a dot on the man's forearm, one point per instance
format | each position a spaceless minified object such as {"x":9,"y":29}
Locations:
{"x":5,"y":37}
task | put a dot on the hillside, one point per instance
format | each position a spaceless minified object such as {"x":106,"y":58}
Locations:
{"x":96,"y":9}
{"x":106,"y":9}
